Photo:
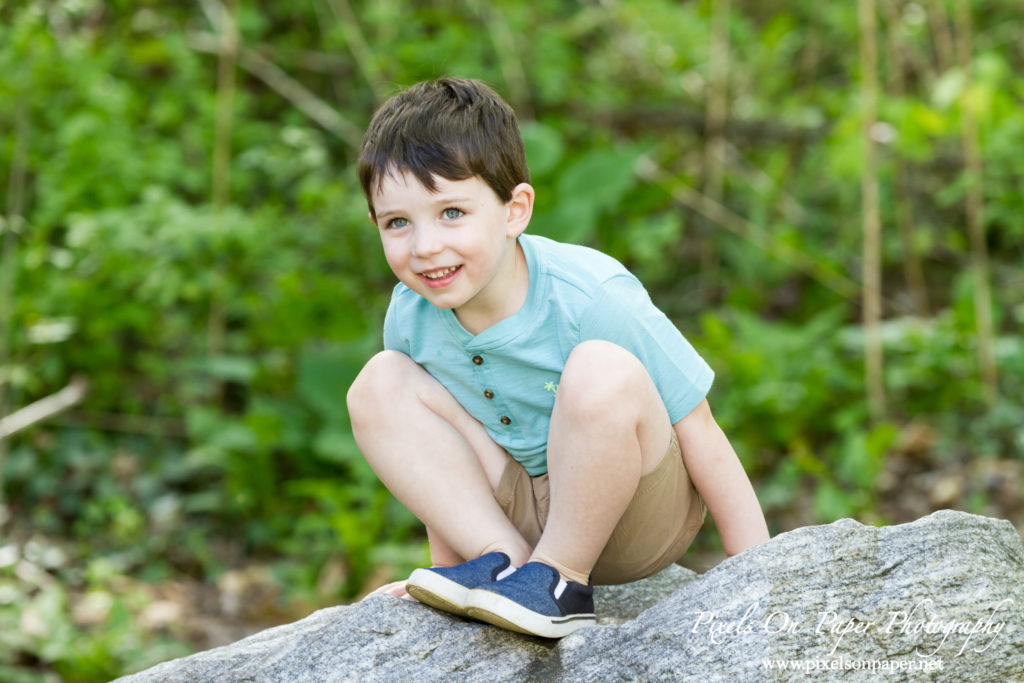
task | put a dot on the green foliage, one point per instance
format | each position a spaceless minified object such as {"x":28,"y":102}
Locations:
{"x":586,"y":189}
{"x":219,"y":342}
{"x":41,"y":618}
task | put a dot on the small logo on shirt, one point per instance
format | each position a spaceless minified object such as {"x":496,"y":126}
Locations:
{"x":552,"y":387}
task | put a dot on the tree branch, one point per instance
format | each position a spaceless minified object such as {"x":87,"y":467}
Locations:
{"x":44,"y":408}
{"x":649,"y":119}
{"x":723,"y":216}
{"x":286,"y":86}
{"x":147,"y":425}
{"x":358,"y":46}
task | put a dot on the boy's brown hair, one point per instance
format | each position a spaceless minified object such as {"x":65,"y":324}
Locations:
{"x":455,"y":128}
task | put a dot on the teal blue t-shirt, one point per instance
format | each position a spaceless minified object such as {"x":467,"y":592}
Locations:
{"x":506,"y":376}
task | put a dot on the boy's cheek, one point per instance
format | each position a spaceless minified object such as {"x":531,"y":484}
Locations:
{"x":396,"y":265}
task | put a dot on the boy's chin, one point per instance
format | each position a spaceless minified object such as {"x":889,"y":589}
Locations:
{"x":438,"y":301}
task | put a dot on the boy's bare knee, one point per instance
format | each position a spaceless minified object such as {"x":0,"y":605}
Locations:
{"x":376,"y":384}
{"x":599,"y":376}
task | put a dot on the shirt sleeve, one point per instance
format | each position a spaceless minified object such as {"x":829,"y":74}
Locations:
{"x":622,"y":313}
{"x":394,"y":340}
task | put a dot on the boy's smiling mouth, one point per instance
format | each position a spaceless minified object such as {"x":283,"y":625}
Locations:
{"x":440,"y":277}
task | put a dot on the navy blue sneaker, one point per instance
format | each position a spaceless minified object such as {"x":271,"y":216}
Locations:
{"x":446,"y":588}
{"x":536,"y":601}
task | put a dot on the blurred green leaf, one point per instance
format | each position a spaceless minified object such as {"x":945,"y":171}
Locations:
{"x":544,"y":147}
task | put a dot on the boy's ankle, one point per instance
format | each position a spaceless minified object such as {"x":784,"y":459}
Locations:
{"x":567,"y":573}
{"x":518,"y":556}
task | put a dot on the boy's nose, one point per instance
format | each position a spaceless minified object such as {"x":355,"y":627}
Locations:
{"x":426,"y":242}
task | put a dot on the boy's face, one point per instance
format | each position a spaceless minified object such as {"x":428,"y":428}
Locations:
{"x":456,"y":246}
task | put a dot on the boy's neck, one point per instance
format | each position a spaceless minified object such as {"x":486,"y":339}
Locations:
{"x":509,"y":291}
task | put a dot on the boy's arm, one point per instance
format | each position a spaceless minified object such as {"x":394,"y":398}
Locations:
{"x":717,"y":474}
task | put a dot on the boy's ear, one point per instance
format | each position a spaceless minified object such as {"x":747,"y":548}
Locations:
{"x":373,"y":219}
{"x":520,"y":209}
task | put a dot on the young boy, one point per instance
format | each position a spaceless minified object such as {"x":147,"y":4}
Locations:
{"x":533,"y":408}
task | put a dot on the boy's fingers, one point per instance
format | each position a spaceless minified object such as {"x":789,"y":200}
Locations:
{"x":380,"y":590}
{"x":396,"y":588}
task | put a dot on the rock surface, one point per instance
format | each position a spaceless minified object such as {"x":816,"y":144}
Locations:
{"x":939,"y":599}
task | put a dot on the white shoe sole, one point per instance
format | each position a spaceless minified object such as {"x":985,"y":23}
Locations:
{"x":432,"y":589}
{"x":508,"y":614}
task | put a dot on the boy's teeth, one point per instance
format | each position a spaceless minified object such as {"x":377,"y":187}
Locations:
{"x":439,"y":273}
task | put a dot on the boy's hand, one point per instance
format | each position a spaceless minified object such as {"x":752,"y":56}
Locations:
{"x":396,"y":588}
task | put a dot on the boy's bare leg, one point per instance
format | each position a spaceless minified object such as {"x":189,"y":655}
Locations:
{"x":434,"y":457}
{"x":609,"y":427}
{"x":440,"y":554}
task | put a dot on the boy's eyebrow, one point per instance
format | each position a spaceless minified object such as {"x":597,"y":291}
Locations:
{"x":439,"y":200}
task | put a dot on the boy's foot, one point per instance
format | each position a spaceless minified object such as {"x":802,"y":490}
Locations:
{"x":446,"y":588}
{"x":536,"y":601}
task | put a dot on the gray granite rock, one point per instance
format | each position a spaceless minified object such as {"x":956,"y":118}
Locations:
{"x":938,"y":599}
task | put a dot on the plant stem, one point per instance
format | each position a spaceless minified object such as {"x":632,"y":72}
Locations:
{"x":871,"y":221}
{"x":941,"y":35}
{"x":228,"y":56}
{"x":226,"y":63}
{"x":714,"y":141}
{"x":913,"y":268}
{"x":975,"y":207}
{"x":9,"y":262}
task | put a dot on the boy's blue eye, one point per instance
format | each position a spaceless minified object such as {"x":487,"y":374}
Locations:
{"x":451,"y":214}
{"x":397,"y":223}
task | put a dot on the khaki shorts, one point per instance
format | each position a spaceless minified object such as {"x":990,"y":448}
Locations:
{"x":658,"y":526}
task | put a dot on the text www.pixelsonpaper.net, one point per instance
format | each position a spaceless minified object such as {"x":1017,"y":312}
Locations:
{"x":843,"y":664}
